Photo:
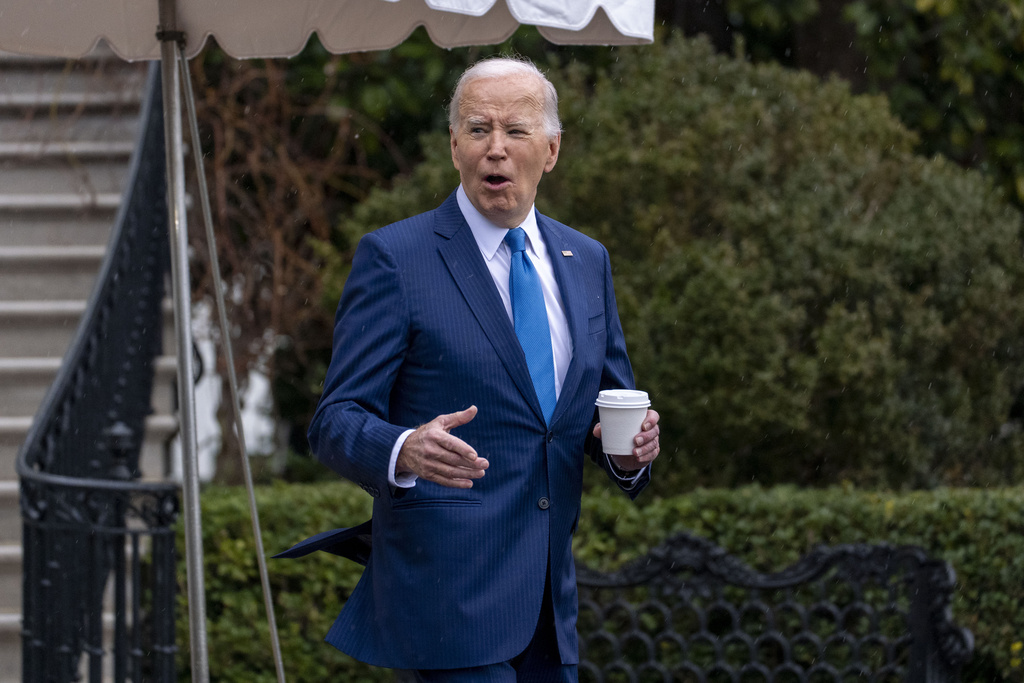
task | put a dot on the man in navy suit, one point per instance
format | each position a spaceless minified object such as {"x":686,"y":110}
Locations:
{"x":432,"y":406}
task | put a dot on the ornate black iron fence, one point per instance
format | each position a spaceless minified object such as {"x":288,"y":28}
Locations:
{"x":688,"y":611}
{"x":99,"y":557}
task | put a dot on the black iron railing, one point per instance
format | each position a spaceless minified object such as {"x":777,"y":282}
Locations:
{"x":99,"y":556}
{"x":689,"y":611}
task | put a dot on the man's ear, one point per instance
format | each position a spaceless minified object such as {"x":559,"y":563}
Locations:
{"x":454,"y":144}
{"x":553,"y":146}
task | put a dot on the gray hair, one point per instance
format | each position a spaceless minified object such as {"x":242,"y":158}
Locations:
{"x":507,"y":66}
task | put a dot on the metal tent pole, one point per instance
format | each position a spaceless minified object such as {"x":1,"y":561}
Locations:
{"x":169,"y":36}
{"x":229,"y":356}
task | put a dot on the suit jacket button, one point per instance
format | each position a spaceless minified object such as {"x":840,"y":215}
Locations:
{"x":551,"y":437}
{"x":543,"y":503}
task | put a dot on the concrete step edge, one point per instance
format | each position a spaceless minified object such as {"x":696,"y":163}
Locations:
{"x":90,"y":99}
{"x":38,"y":202}
{"x":15,"y":426}
{"x":84,"y":252}
{"x":165,"y":365}
{"x":10,"y":621}
{"x":161,"y":424}
{"x":29,"y":366}
{"x":44,"y":308}
{"x":41,"y":308}
{"x":82,"y":148}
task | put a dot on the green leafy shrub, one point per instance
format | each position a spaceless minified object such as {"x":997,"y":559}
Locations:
{"x":978,"y":532}
{"x":308,"y":593}
{"x":952,"y":69}
{"x":953,"y":73}
{"x":807,"y":299}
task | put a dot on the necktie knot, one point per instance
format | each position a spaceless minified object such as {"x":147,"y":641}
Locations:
{"x":516,"y":239}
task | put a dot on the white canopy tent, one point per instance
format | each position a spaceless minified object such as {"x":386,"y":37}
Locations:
{"x":175,"y":30}
{"x":272,"y":28}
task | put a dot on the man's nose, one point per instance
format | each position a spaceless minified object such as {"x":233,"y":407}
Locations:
{"x":496,"y":145}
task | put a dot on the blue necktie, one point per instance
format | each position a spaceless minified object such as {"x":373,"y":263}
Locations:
{"x":530,"y":318}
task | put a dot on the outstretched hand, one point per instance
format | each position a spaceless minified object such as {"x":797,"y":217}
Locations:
{"x":647,"y":444}
{"x":433,"y":454}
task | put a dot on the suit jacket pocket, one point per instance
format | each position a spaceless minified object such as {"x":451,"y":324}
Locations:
{"x":422,"y":503}
{"x":596,"y":323}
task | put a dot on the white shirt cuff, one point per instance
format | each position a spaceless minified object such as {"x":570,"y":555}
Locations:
{"x":408,"y":479}
{"x":630,"y":478}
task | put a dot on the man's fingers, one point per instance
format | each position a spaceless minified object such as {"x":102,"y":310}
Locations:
{"x":441,"y":445}
{"x":451,"y":451}
{"x":453,"y":420}
{"x":457,"y":475}
{"x":441,"y":470}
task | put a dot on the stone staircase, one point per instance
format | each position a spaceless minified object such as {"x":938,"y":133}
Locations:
{"x":67,"y":130}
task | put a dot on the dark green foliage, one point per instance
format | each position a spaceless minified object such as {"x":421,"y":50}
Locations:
{"x":978,"y":532}
{"x":955,"y":73}
{"x":308,"y":593}
{"x":807,"y":300}
{"x":953,"y":69}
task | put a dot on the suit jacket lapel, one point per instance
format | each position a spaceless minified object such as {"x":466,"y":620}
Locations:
{"x":574,"y":300}
{"x":462,"y":256}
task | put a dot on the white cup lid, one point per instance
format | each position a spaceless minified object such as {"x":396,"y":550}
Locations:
{"x":622,"y":398}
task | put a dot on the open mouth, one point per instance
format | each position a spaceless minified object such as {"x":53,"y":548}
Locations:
{"x":495,"y":180}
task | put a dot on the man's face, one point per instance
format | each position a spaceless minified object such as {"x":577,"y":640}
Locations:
{"x":501,"y":149}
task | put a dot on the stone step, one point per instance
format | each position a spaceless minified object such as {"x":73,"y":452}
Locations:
{"x":10,"y":512}
{"x":103,"y":84}
{"x":39,"y":328}
{"x":10,"y":647}
{"x":48,"y":273}
{"x":45,"y":99}
{"x":10,"y":577}
{"x":160,"y":429}
{"x":25,"y":381}
{"x":58,"y":228}
{"x":75,"y":201}
{"x":74,"y":76}
{"x":64,"y":149}
{"x":13,"y":431}
{"x":88,"y":126}
{"x":55,"y":175}
{"x":33,"y":329}
{"x":154,"y":459}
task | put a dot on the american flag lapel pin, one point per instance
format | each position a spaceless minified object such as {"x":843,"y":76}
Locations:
{"x":566,"y":252}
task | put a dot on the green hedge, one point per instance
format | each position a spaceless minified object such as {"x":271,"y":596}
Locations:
{"x":308,"y":593}
{"x":981,"y":533}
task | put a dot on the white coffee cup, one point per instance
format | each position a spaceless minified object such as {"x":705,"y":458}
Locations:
{"x":622,"y":413}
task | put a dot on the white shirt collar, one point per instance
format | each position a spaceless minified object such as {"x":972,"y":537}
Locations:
{"x":489,"y":237}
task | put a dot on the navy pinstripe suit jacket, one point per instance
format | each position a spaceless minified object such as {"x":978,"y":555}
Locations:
{"x":456,"y":576}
